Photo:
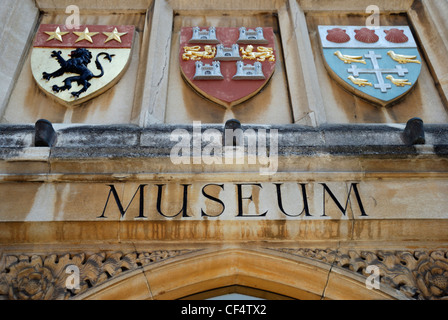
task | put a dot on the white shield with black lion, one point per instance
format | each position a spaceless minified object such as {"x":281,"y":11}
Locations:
{"x":74,"y":66}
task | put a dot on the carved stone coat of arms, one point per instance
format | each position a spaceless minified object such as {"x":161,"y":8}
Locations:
{"x":380,"y":65}
{"x":73,"y":66}
{"x":227,"y":65}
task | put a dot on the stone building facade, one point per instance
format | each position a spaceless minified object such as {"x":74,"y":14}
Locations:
{"x":95,"y":206}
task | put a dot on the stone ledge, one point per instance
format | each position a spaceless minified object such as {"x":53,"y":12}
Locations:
{"x":133,"y":150}
{"x":381,"y":139}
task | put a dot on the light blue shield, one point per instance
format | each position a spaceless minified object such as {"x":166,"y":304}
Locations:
{"x":375,"y":66}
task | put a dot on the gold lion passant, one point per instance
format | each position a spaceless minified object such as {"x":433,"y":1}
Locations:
{"x":260,"y":55}
{"x":194,"y":53}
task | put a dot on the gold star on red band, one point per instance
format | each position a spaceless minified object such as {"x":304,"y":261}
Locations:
{"x":57,"y":34}
{"x":85,"y":35}
{"x":115,"y":35}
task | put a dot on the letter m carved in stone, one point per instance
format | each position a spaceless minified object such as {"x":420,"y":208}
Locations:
{"x":123,"y":211}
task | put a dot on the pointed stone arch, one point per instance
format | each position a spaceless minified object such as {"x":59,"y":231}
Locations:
{"x":262,"y":270}
{"x":200,"y":271}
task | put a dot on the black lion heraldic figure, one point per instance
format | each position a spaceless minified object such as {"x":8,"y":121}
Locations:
{"x":79,"y":59}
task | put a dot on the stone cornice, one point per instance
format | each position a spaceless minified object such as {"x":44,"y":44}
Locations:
{"x":353,"y":139}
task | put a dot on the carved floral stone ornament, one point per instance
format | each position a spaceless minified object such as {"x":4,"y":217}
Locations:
{"x":432,"y":276}
{"x":227,"y":65}
{"x":379,"y":65}
{"x":418,"y":275}
{"x":75,"y":66}
{"x":45,"y":277}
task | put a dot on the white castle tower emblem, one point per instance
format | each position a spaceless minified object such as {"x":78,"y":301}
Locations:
{"x":204,"y":36}
{"x":248,"y":71}
{"x":228,"y":54}
{"x":252,"y":36}
{"x":207,"y":71}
